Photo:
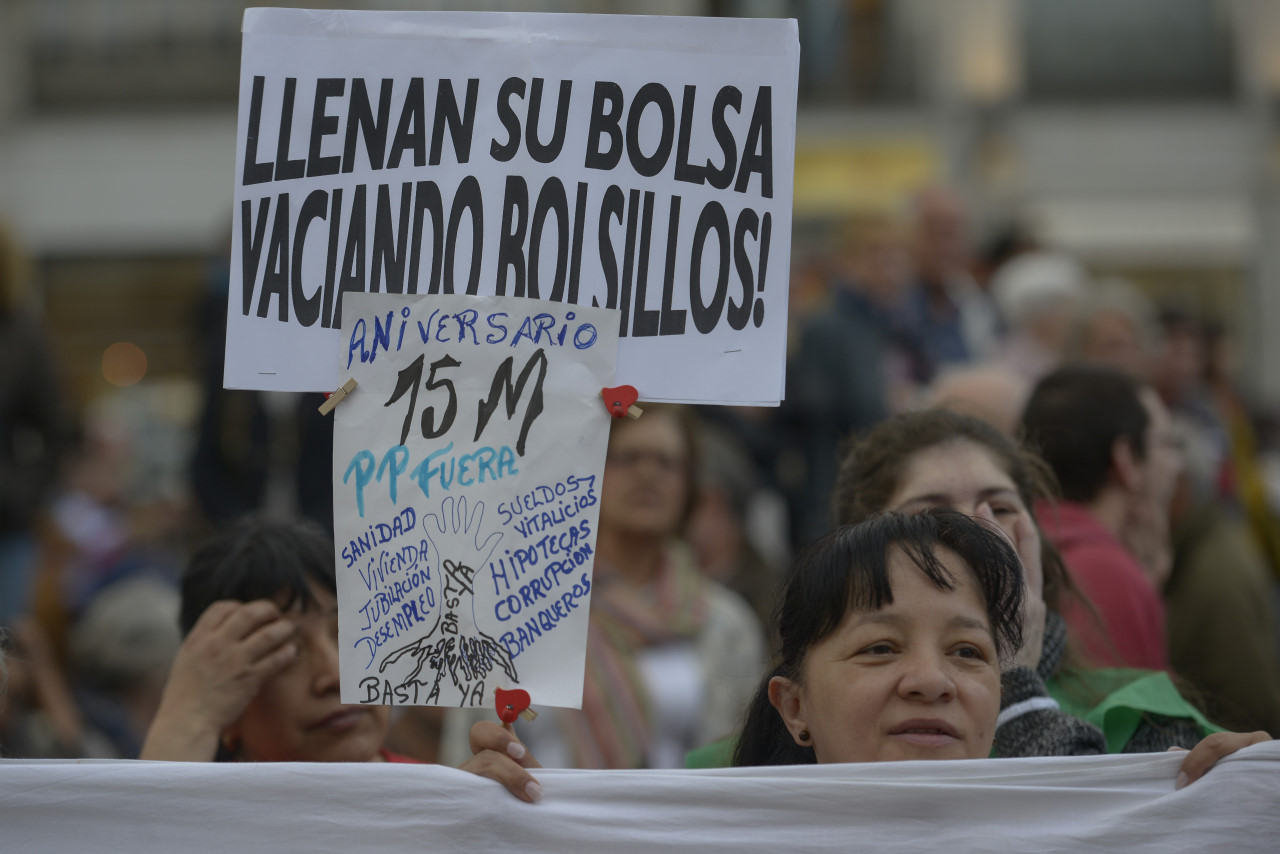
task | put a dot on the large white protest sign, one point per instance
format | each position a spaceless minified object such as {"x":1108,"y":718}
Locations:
{"x":466,"y":483}
{"x":643,"y":164}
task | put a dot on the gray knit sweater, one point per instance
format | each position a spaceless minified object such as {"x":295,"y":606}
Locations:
{"x":1032,"y":725}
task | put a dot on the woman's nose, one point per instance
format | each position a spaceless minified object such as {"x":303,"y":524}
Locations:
{"x":926,"y":679}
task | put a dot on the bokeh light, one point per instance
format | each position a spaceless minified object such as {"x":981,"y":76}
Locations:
{"x":124,"y":364}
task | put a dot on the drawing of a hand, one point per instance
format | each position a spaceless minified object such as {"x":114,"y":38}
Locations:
{"x":452,"y":520}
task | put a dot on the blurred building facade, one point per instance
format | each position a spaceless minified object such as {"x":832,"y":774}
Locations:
{"x":1139,"y":136}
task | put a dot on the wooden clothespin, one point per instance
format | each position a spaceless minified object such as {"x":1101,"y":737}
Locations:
{"x":334,"y":398}
{"x":621,"y":401}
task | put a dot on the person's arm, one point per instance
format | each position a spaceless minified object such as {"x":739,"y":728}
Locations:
{"x":1031,"y":724}
{"x":231,"y":651}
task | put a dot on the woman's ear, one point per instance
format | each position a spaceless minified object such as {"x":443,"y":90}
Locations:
{"x":1126,"y":465}
{"x":784,"y":695}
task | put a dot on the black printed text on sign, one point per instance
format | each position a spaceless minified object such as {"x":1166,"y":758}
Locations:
{"x":640,"y":164}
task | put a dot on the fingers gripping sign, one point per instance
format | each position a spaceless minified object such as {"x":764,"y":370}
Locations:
{"x":1201,"y":758}
{"x":499,"y":755}
{"x":458,"y":656}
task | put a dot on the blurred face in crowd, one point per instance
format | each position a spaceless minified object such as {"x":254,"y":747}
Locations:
{"x":941,"y":246}
{"x":917,"y":679}
{"x":1181,"y":365}
{"x":646,"y":477}
{"x":715,"y":533}
{"x":298,"y":716}
{"x":879,"y":262}
{"x":967,"y":477}
{"x":963,"y":476}
{"x":1111,"y":339}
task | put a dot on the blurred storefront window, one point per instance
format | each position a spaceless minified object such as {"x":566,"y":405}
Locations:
{"x":95,"y":55}
{"x":856,"y":52}
{"x":1087,"y":51}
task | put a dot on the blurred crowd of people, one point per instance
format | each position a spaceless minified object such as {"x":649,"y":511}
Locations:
{"x":1165,"y":518}
{"x":1166,"y":522}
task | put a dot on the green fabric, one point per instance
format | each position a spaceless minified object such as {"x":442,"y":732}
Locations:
{"x":1126,"y":695}
{"x":717,"y":754}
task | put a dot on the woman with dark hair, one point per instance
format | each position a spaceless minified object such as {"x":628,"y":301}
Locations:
{"x":256,"y":678}
{"x":893,"y":632}
{"x":937,"y":458}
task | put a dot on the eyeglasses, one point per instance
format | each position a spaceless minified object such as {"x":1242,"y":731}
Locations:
{"x":666,"y":463}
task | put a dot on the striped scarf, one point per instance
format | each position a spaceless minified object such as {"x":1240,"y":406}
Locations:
{"x":613,"y":729}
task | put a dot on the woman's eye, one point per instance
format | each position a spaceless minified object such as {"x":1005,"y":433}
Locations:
{"x":881,"y":648}
{"x":970,"y":651}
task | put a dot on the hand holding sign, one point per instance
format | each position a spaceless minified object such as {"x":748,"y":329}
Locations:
{"x":499,"y":755}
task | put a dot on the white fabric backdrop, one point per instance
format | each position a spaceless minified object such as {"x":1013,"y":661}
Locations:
{"x":1102,"y":803}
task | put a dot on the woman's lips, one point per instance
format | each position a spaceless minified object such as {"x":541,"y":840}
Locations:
{"x":343,"y":719}
{"x":925,"y":739}
{"x":925,"y":733}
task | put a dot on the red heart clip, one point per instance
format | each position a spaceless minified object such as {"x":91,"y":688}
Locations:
{"x":618,"y":400}
{"x":510,"y":703}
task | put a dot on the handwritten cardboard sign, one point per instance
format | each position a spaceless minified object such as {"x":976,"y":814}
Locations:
{"x":467,"y":470}
{"x":637,"y":163}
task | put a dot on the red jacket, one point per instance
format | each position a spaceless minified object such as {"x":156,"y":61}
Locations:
{"x":1132,"y":633}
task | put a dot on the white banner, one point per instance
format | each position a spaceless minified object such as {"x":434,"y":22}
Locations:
{"x":637,"y":163}
{"x":1123,"y":804}
{"x":466,"y":480}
